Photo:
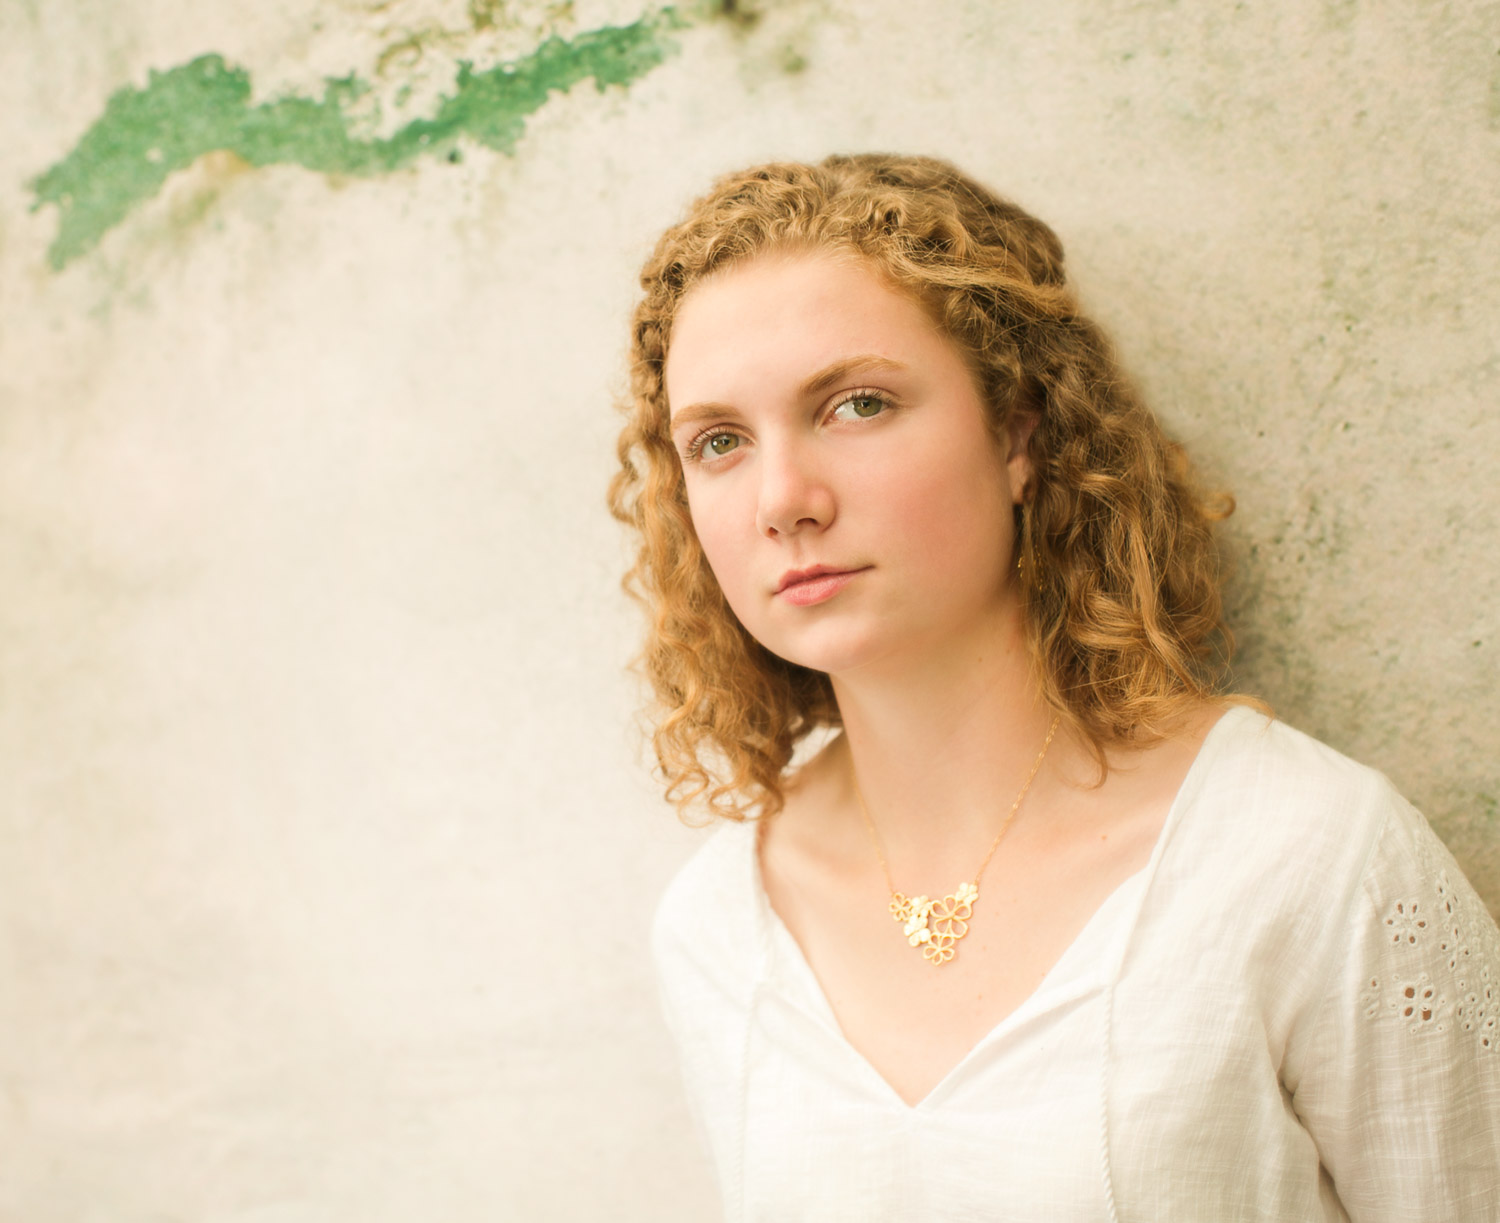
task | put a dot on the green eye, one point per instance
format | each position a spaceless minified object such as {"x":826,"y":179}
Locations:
{"x":862,"y":407}
{"x":715,"y":443}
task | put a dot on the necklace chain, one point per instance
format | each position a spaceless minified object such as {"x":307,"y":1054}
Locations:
{"x":936,"y":926}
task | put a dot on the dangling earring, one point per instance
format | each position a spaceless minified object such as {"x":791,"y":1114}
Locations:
{"x":1028,"y":573}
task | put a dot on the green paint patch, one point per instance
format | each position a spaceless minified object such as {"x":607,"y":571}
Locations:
{"x":204,"y":106}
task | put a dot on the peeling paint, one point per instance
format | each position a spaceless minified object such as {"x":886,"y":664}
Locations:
{"x":201,"y":107}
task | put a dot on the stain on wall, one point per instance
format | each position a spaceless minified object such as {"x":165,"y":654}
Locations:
{"x":204,"y":106}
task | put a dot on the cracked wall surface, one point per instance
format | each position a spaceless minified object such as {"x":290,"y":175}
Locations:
{"x":327,"y":850}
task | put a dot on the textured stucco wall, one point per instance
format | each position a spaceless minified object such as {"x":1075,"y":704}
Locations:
{"x":326,"y":849}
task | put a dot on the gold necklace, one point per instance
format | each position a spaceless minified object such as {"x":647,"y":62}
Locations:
{"x":936,"y":925}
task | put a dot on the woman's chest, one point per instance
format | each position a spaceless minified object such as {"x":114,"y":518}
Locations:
{"x":1140,"y":1084}
{"x":827,"y":1138}
{"x":912,"y":1007}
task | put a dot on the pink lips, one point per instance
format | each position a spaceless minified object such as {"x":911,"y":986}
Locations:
{"x":804,"y":587}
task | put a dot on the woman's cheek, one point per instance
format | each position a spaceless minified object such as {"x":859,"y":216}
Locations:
{"x":960,"y":540}
{"x":724,"y":546}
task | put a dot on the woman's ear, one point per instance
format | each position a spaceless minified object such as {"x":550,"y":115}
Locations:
{"x":1018,"y":461}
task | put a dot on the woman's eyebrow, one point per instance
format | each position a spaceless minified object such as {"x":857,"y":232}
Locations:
{"x":817,"y":383}
{"x":693,"y":413}
{"x":840,"y":370}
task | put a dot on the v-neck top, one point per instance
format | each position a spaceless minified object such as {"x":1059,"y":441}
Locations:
{"x":1292,"y":1012}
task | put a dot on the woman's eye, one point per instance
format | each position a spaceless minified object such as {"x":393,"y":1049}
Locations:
{"x":713,"y":445}
{"x":860,"y":407}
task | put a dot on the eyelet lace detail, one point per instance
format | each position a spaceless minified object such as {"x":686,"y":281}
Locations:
{"x":1453,"y":958}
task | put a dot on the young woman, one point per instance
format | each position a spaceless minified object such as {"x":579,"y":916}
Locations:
{"x":1046,"y":929}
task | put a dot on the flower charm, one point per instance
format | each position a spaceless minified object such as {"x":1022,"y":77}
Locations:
{"x":917,"y":909}
{"x":952,"y":915}
{"x":936,"y":926}
{"x":940,"y":950}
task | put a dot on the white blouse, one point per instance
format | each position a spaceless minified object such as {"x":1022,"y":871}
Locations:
{"x":1292,"y":1012}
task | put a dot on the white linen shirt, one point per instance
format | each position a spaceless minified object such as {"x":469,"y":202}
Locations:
{"x":1290,"y":1013}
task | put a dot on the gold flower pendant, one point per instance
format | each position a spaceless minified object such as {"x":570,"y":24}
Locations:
{"x":936,"y":925}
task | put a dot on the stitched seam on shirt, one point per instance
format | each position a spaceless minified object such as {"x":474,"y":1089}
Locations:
{"x":1108,"y":1043}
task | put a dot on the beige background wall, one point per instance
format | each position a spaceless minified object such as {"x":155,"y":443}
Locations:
{"x":326,"y":847}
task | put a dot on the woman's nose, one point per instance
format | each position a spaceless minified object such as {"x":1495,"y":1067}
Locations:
{"x":795,"y":494}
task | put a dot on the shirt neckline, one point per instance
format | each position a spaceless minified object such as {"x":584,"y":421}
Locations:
{"x":1065,"y":981}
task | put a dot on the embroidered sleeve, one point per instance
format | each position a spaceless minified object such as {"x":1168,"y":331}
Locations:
{"x":1399,"y":1067}
{"x":1441,"y":970}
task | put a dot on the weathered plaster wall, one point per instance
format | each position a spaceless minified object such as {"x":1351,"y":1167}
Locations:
{"x":326,"y":854}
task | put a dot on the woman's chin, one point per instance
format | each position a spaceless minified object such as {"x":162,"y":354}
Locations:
{"x":843,"y":656}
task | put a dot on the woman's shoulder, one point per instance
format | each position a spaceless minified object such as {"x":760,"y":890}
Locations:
{"x":1281,"y":853}
{"x":713,"y":921}
{"x":1273,"y":825}
{"x":1281,"y":785}
{"x":1322,"y":795}
{"x":706,"y":918}
{"x":1277,"y":833}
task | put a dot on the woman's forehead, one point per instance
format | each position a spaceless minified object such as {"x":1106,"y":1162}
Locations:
{"x":791,"y":311}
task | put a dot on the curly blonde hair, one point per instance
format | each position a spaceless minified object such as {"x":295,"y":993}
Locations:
{"x":1122,"y":599}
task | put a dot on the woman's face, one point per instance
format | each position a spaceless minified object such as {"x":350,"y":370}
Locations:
{"x":842,"y":476}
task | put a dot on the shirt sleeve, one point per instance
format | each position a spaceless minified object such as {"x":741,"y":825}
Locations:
{"x":674,"y":972}
{"x":1397,"y":1067}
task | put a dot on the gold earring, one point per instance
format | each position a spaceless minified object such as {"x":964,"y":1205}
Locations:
{"x":1029,"y":579}
{"x":1032,"y":578}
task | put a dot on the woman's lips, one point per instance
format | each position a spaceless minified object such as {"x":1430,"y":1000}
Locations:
{"x":818,"y":588}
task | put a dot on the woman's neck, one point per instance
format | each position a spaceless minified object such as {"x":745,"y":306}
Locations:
{"x":940,"y":747}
